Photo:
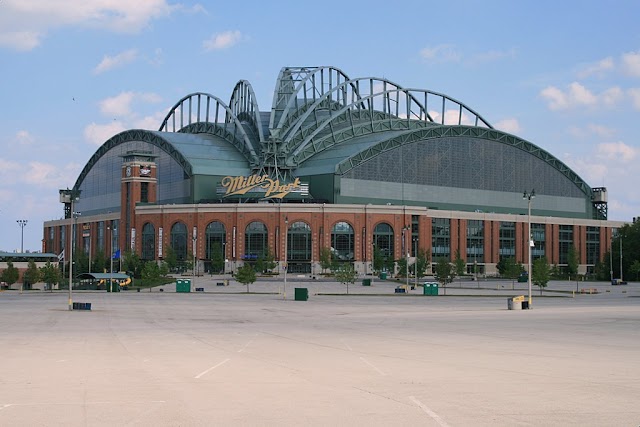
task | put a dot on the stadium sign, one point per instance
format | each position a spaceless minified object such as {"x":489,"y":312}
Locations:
{"x":272,"y":188}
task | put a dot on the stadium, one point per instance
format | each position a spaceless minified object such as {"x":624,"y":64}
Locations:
{"x":358,"y":166}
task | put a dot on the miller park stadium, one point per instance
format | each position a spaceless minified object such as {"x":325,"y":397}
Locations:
{"x":354,"y":165}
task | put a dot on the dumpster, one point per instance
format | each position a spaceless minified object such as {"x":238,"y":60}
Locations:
{"x":383,"y":275}
{"x":183,"y":285}
{"x":366,"y":282}
{"x":301,"y":294}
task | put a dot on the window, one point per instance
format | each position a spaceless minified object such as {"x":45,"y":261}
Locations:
{"x":255,"y":241}
{"x":507,"y":240}
{"x":441,"y":239}
{"x":383,"y":240}
{"x":215,"y":238}
{"x":342,"y":241}
{"x":179,"y":240}
{"x":148,"y":242}
{"x":475,"y":241}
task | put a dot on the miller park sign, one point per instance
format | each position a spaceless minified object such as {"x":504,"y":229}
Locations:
{"x":260,"y":185}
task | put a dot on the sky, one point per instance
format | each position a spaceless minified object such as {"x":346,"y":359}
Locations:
{"x":73,"y":73}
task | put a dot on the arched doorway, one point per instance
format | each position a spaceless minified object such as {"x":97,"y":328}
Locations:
{"x":299,"y":248}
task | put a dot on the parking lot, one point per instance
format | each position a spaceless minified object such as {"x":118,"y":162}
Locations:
{"x":373,"y":357}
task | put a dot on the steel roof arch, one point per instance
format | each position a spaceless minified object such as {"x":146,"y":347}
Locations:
{"x":286,"y":92}
{"x":244,"y":102}
{"x":230,"y":117}
{"x":134,"y":135}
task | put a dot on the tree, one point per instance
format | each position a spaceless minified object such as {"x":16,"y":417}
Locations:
{"x":346,"y":274}
{"x":217,"y":259}
{"x":402,"y":267}
{"x":131,"y":262}
{"x":246,"y":275}
{"x":422,"y":262}
{"x":80,"y":262}
{"x":164,"y":269}
{"x":509,"y":269}
{"x":50,"y":274}
{"x":573,"y":260}
{"x":31,"y":275}
{"x":541,"y":273}
{"x":459,"y":264}
{"x":269,"y":261}
{"x":150,"y":271}
{"x":444,"y":273}
{"x":325,"y":259}
{"x":10,"y":275}
{"x":378,"y":260}
{"x":171,"y":258}
{"x":100,"y":261}
{"x":629,"y":234}
{"x":635,"y":269}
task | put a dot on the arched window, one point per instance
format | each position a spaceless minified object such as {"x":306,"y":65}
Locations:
{"x":255,"y":241}
{"x":179,"y":240}
{"x":342,"y":242}
{"x":148,"y":242}
{"x":299,"y":248}
{"x":383,"y":240}
{"x":216,"y":239}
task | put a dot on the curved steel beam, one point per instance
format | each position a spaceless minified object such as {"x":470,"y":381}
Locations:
{"x":243,"y":101}
{"x":411,"y":137}
{"x":293,"y":81}
{"x":135,"y":135}
{"x":390,"y":106}
{"x":229,"y":116}
{"x":380,"y":123}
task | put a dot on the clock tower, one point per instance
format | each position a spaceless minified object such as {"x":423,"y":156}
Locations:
{"x":138,"y":185}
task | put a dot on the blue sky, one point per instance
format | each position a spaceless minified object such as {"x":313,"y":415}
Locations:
{"x":562,"y":75}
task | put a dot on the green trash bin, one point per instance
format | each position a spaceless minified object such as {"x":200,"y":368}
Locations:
{"x":301,"y":294}
{"x":183,"y":285}
{"x":366,"y":282}
{"x":383,"y":275}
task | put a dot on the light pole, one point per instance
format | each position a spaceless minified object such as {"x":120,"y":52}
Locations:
{"x":528,"y":197}
{"x":405,"y":244}
{"x":195,"y":239}
{"x":70,"y":197}
{"x":22,"y":223}
{"x":286,"y":233}
{"x":111,"y":230}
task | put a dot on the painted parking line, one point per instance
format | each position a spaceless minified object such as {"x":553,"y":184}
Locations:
{"x":372,"y":366}
{"x":429,"y":412}
{"x":211,"y":369}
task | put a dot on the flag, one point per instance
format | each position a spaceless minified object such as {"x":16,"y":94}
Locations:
{"x":61,"y":256}
{"x":116,"y":255}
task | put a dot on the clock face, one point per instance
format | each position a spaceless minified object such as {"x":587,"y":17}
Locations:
{"x":128,"y":171}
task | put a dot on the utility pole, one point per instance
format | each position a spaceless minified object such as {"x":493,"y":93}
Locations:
{"x":22,"y":223}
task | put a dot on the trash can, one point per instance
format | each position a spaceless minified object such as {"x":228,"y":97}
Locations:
{"x":301,"y":294}
{"x":183,"y":285}
{"x":383,"y":275}
{"x":366,"y":282}
{"x":515,"y":303}
{"x":525,"y":305}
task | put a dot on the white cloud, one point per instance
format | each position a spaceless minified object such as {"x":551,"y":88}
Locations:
{"x":98,"y":134}
{"x":617,"y":151}
{"x":509,"y":125}
{"x":635,"y":97}
{"x":598,"y":68}
{"x":441,"y":53}
{"x":23,"y":24}
{"x":23,"y":137}
{"x":578,"y":95}
{"x":631,"y":63}
{"x":451,"y":117}
{"x":20,"y":40}
{"x":119,"y":60}
{"x":120,"y":105}
{"x":222,"y":40}
{"x":601,"y":131}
